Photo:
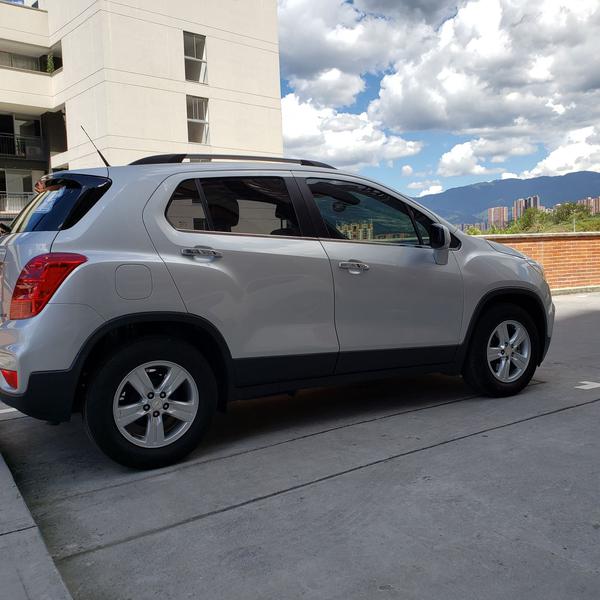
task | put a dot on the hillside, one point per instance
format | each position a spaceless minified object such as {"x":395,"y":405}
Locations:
{"x":467,"y":204}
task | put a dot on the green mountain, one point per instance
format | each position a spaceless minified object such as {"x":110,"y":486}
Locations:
{"x":469,"y":203}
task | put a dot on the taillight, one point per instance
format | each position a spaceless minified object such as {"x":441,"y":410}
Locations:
{"x":11,"y":378}
{"x":38,"y":281}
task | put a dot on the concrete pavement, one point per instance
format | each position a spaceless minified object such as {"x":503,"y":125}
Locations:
{"x":26,"y":569}
{"x":399,"y":489}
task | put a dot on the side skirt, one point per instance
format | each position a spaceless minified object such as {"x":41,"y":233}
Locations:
{"x":266,"y":376}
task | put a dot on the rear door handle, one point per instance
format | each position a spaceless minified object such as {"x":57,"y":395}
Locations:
{"x":354,"y":266}
{"x":201,"y":251}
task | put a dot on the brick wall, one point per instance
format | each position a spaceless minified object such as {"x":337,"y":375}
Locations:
{"x":570,"y":260}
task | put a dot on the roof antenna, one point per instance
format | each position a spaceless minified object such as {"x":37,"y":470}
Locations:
{"x":96,"y":147}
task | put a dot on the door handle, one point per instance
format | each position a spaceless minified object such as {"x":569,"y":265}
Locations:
{"x":201,"y":251}
{"x":355,"y":266}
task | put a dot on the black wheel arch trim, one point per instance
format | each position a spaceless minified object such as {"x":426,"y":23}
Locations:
{"x":492,"y":296}
{"x":58,"y":407}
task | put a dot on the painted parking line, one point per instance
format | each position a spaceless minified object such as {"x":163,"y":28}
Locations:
{"x":587,"y":385}
{"x":7,"y":410}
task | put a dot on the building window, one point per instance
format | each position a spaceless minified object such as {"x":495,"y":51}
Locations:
{"x":194,"y":49}
{"x":197,"y":118}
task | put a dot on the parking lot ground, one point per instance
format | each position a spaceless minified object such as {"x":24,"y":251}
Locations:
{"x":409,"y":488}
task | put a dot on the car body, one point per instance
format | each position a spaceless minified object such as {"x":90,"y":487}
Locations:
{"x":339,"y":290}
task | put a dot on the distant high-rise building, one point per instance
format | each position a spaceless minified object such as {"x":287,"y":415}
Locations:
{"x":592,"y":203}
{"x":357,"y":231}
{"x":522,"y":204}
{"x":498,"y":217}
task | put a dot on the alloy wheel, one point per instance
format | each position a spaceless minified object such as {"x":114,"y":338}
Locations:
{"x":509,"y":351}
{"x":155,"y":404}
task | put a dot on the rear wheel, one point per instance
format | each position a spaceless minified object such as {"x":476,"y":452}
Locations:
{"x":149,"y":404}
{"x":504,"y":351}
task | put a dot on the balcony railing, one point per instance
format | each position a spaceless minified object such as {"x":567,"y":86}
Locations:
{"x":12,"y":204}
{"x":21,"y":146}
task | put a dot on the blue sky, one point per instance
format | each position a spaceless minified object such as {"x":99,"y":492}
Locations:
{"x":426,"y":95}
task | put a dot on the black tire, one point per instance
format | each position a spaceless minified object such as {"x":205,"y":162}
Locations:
{"x":98,"y":406}
{"x":476,"y":370}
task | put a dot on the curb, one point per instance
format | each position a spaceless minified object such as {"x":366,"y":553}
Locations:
{"x":585,"y":289}
{"x":27,"y":570}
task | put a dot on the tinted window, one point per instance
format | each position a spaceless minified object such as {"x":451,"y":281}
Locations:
{"x":256,"y":205}
{"x":60,"y":203}
{"x":423,"y":224}
{"x":186,"y":211}
{"x":357,"y":212}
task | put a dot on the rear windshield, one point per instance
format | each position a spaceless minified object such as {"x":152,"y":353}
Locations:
{"x":60,"y":203}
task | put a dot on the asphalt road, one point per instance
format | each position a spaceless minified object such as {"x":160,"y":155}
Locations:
{"x":411,"y":489}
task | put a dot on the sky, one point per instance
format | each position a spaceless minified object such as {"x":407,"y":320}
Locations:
{"x":426,"y":95}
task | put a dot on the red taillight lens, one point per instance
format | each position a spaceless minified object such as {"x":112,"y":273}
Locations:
{"x":38,"y":281}
{"x":11,"y":377}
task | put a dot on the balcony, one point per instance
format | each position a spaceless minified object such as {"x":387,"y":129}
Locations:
{"x":21,"y":147}
{"x":11,"y":204}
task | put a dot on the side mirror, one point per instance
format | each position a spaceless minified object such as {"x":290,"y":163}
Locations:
{"x":440,"y":242}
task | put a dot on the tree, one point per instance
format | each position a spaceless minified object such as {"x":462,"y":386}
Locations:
{"x":472,"y":230}
{"x":564,"y":213}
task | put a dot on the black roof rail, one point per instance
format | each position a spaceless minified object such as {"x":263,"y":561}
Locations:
{"x":159,"y":159}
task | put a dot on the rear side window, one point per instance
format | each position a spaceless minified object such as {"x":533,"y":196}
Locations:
{"x":251,"y":205}
{"x":60,"y":203}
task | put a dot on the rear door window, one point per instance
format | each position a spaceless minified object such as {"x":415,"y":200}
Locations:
{"x":252,"y":205}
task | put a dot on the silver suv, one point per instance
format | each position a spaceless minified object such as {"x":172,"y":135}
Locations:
{"x":148,"y":296}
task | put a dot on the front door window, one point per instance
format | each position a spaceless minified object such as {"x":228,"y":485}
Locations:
{"x":357,"y":212}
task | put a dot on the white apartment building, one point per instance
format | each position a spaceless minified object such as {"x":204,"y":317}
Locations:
{"x":142,"y":76}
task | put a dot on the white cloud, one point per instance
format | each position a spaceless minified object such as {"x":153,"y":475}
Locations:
{"x":511,"y":68}
{"x":434,"y":11}
{"x":330,"y":87}
{"x":420,"y":185}
{"x":327,"y":45}
{"x":325,"y":34}
{"x":407,"y":170}
{"x":466,"y":158}
{"x":460,"y":160}
{"x":579,"y":152}
{"x":434,"y":189}
{"x":509,"y":175}
{"x":343,"y":139}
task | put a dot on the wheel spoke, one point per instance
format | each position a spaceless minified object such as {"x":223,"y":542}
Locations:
{"x":174,"y":378}
{"x":128,"y":414}
{"x":504,"y":369}
{"x":140,"y":382}
{"x":493,"y":354}
{"x":182,"y":411}
{"x":519,"y":336}
{"x":155,"y":432}
{"x":519,"y":361}
{"x":502,"y":332}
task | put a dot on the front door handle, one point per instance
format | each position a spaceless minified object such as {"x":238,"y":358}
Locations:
{"x":353,"y":266}
{"x":201,"y":251}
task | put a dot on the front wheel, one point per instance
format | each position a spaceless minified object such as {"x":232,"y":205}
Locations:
{"x":504,"y":351}
{"x":149,"y":404}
